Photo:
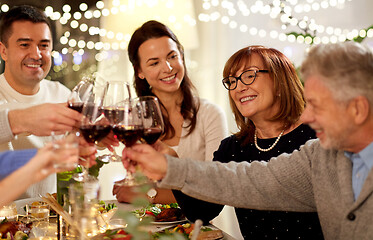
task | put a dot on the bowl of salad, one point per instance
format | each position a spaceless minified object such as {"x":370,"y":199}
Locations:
{"x":106,"y":211}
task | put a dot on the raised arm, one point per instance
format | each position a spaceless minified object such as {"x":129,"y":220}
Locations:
{"x":284,"y":183}
{"x":41,"y":120}
{"x":36,"y":169}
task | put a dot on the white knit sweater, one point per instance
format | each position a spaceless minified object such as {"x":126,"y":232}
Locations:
{"x":211,"y":129}
{"x":50,"y":92}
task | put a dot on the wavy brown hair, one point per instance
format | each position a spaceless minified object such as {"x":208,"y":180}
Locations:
{"x":190,"y":105}
{"x":287,"y":88}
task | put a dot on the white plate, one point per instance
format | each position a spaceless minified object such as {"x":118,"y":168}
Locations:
{"x":22,"y":203}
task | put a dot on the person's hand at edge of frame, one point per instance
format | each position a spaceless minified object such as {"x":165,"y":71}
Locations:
{"x":152,"y":163}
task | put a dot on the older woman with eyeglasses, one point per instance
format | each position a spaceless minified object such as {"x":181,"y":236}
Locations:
{"x":266,"y":97}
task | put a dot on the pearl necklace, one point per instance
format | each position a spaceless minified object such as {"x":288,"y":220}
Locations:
{"x":271,"y":147}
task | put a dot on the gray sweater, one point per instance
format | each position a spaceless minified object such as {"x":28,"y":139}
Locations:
{"x":312,"y":179}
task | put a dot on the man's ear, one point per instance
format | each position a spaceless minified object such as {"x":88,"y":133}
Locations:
{"x":359,"y":108}
{"x":3,"y":51}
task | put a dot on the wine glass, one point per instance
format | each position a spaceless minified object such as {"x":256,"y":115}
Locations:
{"x":94,"y":126}
{"x":129,"y":129}
{"x":152,"y":119}
{"x":116,"y":92}
{"x":80,"y":94}
{"x":63,"y":145}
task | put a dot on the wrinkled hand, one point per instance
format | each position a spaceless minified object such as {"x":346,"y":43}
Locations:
{"x":43,"y":119}
{"x":152,"y":163}
{"x":126,"y":193}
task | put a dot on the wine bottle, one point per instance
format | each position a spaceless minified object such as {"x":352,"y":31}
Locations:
{"x":64,"y":179}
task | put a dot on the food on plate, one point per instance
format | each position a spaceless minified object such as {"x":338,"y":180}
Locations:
{"x":106,"y":211}
{"x":14,"y":230}
{"x":169,"y":215}
{"x":39,"y":203}
{"x":187,"y":230}
{"x":113,"y":234}
{"x":210,"y":235}
{"x":161,"y":212}
{"x":103,"y":207}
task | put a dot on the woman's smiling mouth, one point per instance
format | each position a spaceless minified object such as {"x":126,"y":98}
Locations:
{"x":249,"y":98}
{"x":168,"y":79}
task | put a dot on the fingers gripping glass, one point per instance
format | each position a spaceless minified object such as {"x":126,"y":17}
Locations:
{"x":247,"y":78}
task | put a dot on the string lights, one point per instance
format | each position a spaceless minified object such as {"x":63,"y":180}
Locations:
{"x":118,"y":40}
{"x":284,"y":10}
{"x":213,"y":10}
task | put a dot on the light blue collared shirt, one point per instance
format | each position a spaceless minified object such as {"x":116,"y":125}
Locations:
{"x":362,"y":163}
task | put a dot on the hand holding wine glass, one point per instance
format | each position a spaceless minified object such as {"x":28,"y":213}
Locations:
{"x":140,"y":155}
{"x":149,"y":110}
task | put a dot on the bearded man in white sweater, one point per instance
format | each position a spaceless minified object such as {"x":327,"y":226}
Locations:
{"x":31,"y":107}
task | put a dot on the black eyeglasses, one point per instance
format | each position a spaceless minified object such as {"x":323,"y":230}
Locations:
{"x":247,"y":78}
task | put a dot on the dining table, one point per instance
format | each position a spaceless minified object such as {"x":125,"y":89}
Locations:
{"x":122,"y":207}
{"x":156,"y":227}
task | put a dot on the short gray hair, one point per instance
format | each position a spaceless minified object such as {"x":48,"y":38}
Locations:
{"x":345,"y":68}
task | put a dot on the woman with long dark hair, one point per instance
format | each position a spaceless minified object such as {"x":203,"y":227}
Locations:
{"x":194,"y":127}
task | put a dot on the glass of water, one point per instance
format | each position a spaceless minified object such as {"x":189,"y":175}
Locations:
{"x":38,"y":212}
{"x":9,"y":212}
{"x":67,"y":146}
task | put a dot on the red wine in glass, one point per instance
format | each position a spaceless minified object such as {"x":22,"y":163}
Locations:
{"x":152,"y":119}
{"x":128,"y":135}
{"x":94,"y":133}
{"x":118,"y":91}
{"x":114,"y":115}
{"x":129,"y":130}
{"x":77,"y":106}
{"x":151,"y":135}
{"x":80,"y":94}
